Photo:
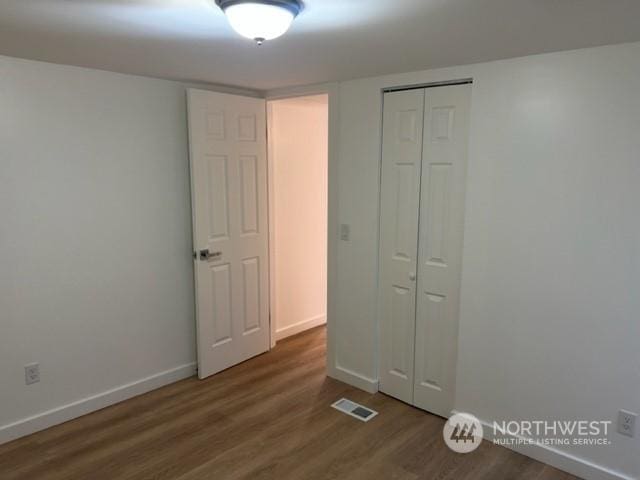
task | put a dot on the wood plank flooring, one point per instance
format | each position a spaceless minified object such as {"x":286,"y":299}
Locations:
{"x":268,"y":418}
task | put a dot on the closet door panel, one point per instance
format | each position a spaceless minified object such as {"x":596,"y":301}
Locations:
{"x":400,"y":197}
{"x":444,"y":162}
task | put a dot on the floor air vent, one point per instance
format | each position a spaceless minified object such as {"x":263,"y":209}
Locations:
{"x":354,"y":409}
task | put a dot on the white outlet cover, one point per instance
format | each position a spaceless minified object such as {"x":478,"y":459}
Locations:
{"x":31,"y":373}
{"x":627,"y":423}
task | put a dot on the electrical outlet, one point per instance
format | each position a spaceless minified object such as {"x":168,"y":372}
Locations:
{"x":627,"y":423}
{"x":32,"y":373}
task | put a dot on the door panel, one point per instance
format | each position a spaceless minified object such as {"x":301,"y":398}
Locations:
{"x":402,"y":307}
{"x":227,"y":138}
{"x":401,"y":166}
{"x":219,"y":211}
{"x":248,"y":181}
{"x":221,"y":295}
{"x":440,"y":245}
{"x":252,"y":294}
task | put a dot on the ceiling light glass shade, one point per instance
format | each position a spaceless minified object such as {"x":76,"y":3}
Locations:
{"x":260,"y":20}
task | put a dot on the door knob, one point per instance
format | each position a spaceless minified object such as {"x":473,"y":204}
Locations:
{"x":412,"y":276}
{"x":207,"y":255}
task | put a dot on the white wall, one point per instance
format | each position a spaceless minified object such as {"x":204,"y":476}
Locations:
{"x":298,"y":143}
{"x":550,"y":306}
{"x":96,"y":279}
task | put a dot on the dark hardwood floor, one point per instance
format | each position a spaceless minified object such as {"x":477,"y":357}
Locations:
{"x":268,"y":418}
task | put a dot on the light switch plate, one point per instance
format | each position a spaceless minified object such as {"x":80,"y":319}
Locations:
{"x":345,"y":232}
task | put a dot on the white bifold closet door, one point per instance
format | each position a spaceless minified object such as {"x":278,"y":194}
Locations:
{"x":425,"y":136}
{"x":401,"y":167}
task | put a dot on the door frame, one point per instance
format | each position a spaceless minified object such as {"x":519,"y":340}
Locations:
{"x":331,"y":90}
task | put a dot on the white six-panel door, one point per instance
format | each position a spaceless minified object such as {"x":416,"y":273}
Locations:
{"x":401,"y":166}
{"x":227,"y":139}
{"x":422,"y":213}
{"x":444,"y":165}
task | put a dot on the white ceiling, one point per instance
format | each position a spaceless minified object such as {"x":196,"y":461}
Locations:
{"x":331,"y":40}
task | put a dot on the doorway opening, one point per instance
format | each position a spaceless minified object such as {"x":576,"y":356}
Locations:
{"x":298,"y":141}
{"x":260,"y":216}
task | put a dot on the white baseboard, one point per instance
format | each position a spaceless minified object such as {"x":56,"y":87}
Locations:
{"x":354,"y":379}
{"x":572,"y":464}
{"x":29,"y":425}
{"x":300,"y":327}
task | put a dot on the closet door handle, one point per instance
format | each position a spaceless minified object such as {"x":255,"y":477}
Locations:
{"x":412,"y":276}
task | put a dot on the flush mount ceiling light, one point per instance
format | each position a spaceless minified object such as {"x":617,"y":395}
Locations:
{"x":260,"y":20}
